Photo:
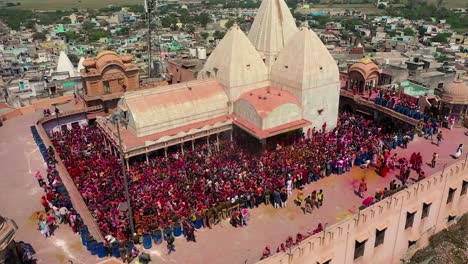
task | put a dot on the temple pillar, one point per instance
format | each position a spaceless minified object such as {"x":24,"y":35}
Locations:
{"x":217,"y":141}
{"x":182,"y":148}
{"x":208,"y":144}
{"x":128,"y":166}
{"x":193,"y":145}
{"x":230,"y":135}
{"x":147,"y":158}
{"x":165,"y":152}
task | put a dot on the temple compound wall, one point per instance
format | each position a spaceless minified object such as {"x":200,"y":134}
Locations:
{"x":391,"y":229}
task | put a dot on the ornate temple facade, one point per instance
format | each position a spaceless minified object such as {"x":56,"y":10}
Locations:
{"x":107,"y":77}
{"x":279,"y":78}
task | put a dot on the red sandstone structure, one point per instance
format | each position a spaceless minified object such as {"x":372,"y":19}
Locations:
{"x":107,"y":77}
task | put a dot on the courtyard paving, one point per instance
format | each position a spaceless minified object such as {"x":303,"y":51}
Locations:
{"x":20,"y":200}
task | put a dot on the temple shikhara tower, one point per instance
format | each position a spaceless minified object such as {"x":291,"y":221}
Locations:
{"x":279,"y":78}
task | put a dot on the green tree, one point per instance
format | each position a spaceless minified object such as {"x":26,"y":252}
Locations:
{"x":230,"y":23}
{"x":39,"y":36}
{"x":381,"y":6}
{"x":203,"y":19}
{"x":190,"y":28}
{"x":87,"y":26}
{"x":408,"y":32}
{"x":65,"y":20}
{"x":219,"y":34}
{"x":168,"y":21}
{"x":441,"y":38}
{"x":74,"y":59}
{"x":69,"y":36}
{"x":95,"y":34}
{"x":204,"y":35}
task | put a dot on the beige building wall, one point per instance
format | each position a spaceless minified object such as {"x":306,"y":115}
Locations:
{"x":336,"y":243}
{"x":245,"y":110}
{"x":282,"y":114}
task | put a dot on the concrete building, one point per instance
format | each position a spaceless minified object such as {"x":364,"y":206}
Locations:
{"x":279,"y":79}
{"x":391,"y":229}
{"x":183,"y":70}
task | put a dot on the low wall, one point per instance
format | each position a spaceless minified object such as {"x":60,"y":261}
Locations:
{"x":336,"y":244}
{"x":75,"y":197}
{"x":36,"y":105}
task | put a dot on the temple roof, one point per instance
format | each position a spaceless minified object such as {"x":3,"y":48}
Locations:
{"x":456,"y":92}
{"x":272,"y":28}
{"x":65,"y":65}
{"x":235,"y":62}
{"x":365,"y":66}
{"x":304,"y":62}
{"x":164,"y":108}
{"x":96,"y":66}
{"x":266,"y":99}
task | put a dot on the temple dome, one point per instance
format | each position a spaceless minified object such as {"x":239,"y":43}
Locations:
{"x":127,"y":58}
{"x":89,"y":63}
{"x":365,"y":67}
{"x":456,"y":92}
{"x":107,"y":57}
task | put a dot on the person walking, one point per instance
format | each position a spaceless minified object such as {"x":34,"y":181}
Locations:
{"x":170,"y":243}
{"x":320,"y":198}
{"x":63,"y":214}
{"x":289,"y":185}
{"x":459,"y":151}
{"x":39,"y":179}
{"x":45,"y":230}
{"x":313,"y":198}
{"x":284,"y":198}
{"x":276,"y":199}
{"x":362,"y":188}
{"x":439,"y":138}
{"x":452,"y":122}
{"x":191,"y":234}
{"x":434,"y":159}
{"x":308,"y":205}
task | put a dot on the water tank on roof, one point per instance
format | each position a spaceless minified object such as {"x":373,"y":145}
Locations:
{"x":201,"y":53}
{"x":193,"y":52}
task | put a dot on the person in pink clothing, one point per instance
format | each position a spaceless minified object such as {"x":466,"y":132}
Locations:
{"x":452,"y":122}
{"x":39,"y":179}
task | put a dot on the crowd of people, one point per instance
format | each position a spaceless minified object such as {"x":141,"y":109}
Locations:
{"x":58,"y":208}
{"x":204,"y":182}
{"x":290,"y":242}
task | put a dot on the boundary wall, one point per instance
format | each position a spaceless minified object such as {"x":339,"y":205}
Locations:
{"x":444,"y":203}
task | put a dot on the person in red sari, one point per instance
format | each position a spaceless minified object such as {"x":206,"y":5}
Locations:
{"x":383,"y":169}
